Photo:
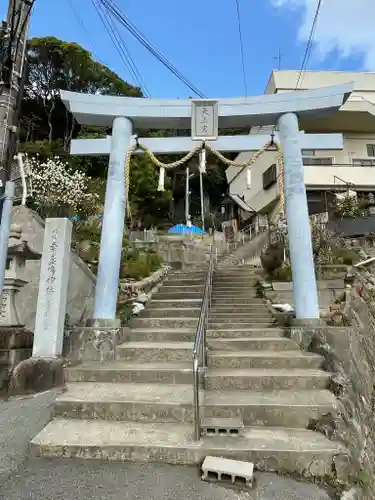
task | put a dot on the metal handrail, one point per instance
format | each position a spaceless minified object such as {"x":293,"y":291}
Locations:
{"x":200,"y":346}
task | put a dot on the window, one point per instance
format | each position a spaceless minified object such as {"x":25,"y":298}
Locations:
{"x":308,"y":152}
{"x":363,"y":163}
{"x":370,"y":149}
{"x":317,"y":161}
{"x":269,"y":177}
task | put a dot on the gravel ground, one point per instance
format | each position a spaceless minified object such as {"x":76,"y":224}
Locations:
{"x":41,"y":479}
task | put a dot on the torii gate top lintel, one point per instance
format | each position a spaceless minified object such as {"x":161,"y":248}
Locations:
{"x":90,"y":109}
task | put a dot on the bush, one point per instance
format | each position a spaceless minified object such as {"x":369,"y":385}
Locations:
{"x":281,"y":274}
{"x":140,"y":266}
{"x":273,"y":257}
{"x":344,"y":256}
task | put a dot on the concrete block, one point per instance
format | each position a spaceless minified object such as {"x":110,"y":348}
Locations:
{"x":225,"y":468}
{"x":222,"y":426}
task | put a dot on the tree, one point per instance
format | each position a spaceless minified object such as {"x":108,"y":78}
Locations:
{"x":149,"y":206}
{"x":54,"y":64}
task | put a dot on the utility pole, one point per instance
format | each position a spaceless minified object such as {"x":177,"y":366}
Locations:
{"x":13,"y":39}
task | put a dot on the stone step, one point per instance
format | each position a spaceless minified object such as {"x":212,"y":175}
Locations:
{"x":214,"y":325}
{"x":162,"y":334}
{"x":285,"y":408}
{"x":182,"y":288}
{"x":187,"y":276}
{"x":127,"y":402}
{"x":245,"y":333}
{"x":182,"y":303}
{"x":177,"y":295}
{"x":263,"y":359}
{"x":163,"y":402}
{"x":127,"y":372}
{"x":234,"y":293}
{"x":235,"y":283}
{"x":240,"y":310}
{"x":252,"y":344}
{"x":266,"y":379}
{"x":184,"y":282}
{"x":233,"y":287}
{"x":164,"y":322}
{"x":155,"y":351}
{"x":231,"y":302}
{"x":171,"y":312}
{"x":248,"y":317}
{"x":240,"y":284}
{"x":301,"y":452}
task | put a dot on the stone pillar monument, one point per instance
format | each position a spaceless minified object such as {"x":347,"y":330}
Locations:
{"x":53,"y":288}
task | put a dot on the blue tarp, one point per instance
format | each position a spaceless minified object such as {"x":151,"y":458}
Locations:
{"x":183,"y":229}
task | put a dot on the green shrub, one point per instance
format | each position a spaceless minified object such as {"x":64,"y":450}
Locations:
{"x":281,"y":274}
{"x":343,"y":256}
{"x":141,"y":265}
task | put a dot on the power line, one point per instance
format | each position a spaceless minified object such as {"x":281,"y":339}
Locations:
{"x":133,"y":30}
{"x":241,"y":44}
{"x":127,"y":54}
{"x":120,"y":46}
{"x":309,"y":44}
{"x":83,"y":26}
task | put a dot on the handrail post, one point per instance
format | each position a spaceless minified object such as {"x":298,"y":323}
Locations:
{"x":197,"y":426}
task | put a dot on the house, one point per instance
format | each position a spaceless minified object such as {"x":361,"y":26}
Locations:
{"x":326,"y":172}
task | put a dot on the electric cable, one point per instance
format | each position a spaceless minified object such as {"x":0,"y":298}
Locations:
{"x":309,"y":44}
{"x":133,"y":30}
{"x":125,"y":51}
{"x":241,"y":45}
{"x":116,"y":40}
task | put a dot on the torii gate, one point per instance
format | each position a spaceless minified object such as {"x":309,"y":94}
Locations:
{"x":127,"y":114}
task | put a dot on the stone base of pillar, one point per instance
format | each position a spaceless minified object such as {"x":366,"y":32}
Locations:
{"x":16,"y":344}
{"x":93,"y":343}
{"x":307,"y":322}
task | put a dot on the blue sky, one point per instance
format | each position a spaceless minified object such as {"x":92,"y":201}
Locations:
{"x":200,"y":37}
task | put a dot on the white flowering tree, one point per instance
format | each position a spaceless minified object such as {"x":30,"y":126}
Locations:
{"x":58,"y":191}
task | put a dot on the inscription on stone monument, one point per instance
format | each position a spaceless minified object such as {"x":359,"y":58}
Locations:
{"x":51,"y":278}
{"x":53,"y":287}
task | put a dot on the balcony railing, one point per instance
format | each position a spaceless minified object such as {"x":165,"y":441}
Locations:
{"x":356,"y":164}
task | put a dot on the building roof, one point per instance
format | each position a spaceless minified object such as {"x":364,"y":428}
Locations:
{"x":280,"y":80}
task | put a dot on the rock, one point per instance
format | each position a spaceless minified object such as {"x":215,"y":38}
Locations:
{"x":36,"y":375}
{"x":344,"y":468}
{"x":352,"y":494}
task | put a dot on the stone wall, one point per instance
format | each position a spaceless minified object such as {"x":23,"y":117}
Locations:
{"x":349,"y":353}
{"x":81,"y":280}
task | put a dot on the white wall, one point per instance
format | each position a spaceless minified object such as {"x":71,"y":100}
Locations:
{"x":324,"y":177}
{"x":315,"y":176}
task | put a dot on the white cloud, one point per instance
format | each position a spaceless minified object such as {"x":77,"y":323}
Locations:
{"x":347,"y":26}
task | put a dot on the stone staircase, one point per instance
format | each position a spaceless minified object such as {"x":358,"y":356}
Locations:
{"x":247,"y":253}
{"x":140,"y":407}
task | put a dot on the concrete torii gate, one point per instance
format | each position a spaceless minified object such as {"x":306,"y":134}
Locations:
{"x":127,"y":114}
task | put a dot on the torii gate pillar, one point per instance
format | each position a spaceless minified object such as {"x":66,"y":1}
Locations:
{"x":299,"y":232}
{"x":113,"y":223}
